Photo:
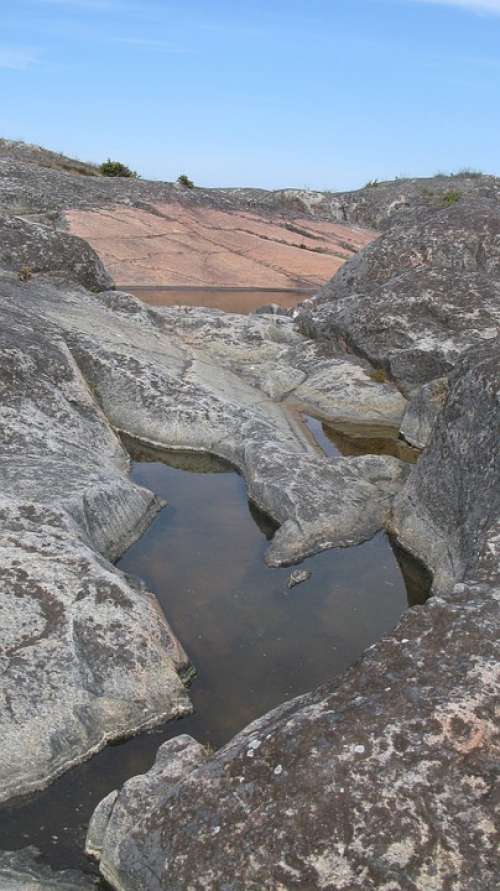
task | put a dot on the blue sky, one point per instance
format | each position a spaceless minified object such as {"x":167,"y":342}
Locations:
{"x":271,"y":93}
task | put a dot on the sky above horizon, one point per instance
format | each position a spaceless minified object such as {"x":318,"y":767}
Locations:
{"x":323,"y":94}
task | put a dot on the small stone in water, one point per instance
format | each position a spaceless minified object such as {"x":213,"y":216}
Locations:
{"x":298,"y":576}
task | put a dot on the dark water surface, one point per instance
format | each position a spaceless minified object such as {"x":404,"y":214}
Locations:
{"x":241,"y":300}
{"x":353,"y":440}
{"x":253,"y":642}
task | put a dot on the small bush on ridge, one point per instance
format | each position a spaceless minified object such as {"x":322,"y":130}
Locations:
{"x":184,"y":181}
{"x":116,"y":168}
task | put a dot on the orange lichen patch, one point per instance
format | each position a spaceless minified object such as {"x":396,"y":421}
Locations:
{"x":176,"y":245}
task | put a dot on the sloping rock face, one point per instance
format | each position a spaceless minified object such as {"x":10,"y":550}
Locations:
{"x":384,"y":779}
{"x":28,"y":248}
{"x":149,"y":233}
{"x":86,"y":654}
{"x":446,"y":514}
{"x":21,"y":871}
{"x":166,"y":243}
{"x":14,"y":149}
{"x":418,"y":297}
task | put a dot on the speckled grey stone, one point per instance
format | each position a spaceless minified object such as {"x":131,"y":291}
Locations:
{"x":29,"y":248}
{"x":418,"y":297}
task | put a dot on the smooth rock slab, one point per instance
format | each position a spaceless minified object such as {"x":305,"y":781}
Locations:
{"x":85,"y":653}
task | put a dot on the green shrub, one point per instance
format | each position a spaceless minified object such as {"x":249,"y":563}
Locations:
{"x":185,"y":182}
{"x":450,"y":198}
{"x":116,"y":168}
{"x":372,"y":184}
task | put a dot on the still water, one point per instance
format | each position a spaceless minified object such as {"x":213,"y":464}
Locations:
{"x":252,"y":641}
{"x":353,"y":440}
{"x":241,"y":300}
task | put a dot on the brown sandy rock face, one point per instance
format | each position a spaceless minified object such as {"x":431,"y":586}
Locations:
{"x":171,"y":244}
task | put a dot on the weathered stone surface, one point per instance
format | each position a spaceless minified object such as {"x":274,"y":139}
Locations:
{"x":117,"y":815}
{"x":72,"y":365}
{"x":384,"y":780}
{"x":298,"y":577}
{"x":450,"y":506}
{"x":422,"y":411}
{"x":155,"y":233}
{"x":28,"y":248}
{"x":22,"y":871}
{"x":85,"y":654}
{"x":418,"y":297}
{"x":402,"y":202}
{"x":17,"y":150}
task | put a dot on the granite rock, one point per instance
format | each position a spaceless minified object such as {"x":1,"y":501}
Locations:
{"x":417,"y":298}
{"x":448,"y":511}
{"x":422,"y":412}
{"x":29,"y":248}
{"x":381,"y":780}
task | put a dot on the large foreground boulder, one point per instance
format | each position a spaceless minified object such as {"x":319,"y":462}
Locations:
{"x":383,"y":779}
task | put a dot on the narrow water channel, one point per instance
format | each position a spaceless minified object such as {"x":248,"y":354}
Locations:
{"x":253,"y":641}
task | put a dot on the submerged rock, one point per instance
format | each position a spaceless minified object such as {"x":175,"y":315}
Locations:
{"x":23,"y":871}
{"x":298,"y":576}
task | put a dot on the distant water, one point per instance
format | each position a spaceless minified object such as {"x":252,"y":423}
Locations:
{"x":241,"y":300}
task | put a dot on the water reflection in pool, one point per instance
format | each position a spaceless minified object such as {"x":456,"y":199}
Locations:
{"x":240,"y":300}
{"x":253,"y":642}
